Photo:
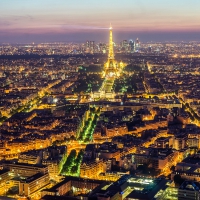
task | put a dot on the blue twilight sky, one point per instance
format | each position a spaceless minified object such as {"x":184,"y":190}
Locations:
{"x":80,"y":20}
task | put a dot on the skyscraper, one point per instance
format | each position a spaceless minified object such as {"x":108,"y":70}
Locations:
{"x":131,"y":46}
{"x":137,"y":42}
{"x":90,"y":46}
{"x":124,"y":45}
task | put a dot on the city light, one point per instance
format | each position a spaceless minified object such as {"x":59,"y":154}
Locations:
{"x":102,"y":113}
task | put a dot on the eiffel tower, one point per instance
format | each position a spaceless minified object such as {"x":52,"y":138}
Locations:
{"x":112,"y":67}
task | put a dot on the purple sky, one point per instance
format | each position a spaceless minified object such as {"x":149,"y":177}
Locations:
{"x":77,"y":20}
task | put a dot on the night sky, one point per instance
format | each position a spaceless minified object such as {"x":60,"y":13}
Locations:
{"x":24,"y":21}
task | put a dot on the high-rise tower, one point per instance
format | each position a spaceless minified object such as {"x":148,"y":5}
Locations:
{"x":111,"y":51}
{"x":112,"y":70}
{"x":112,"y":67}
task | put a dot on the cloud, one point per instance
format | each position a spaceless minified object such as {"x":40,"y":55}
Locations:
{"x":82,"y":27}
{"x":5,"y":23}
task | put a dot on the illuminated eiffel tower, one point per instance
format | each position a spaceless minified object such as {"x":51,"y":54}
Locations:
{"x":112,"y":68}
{"x":111,"y":51}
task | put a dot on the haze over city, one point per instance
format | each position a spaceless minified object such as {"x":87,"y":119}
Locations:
{"x":76,"y":21}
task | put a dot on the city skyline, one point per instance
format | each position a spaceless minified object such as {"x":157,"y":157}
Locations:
{"x":118,"y":119}
{"x":64,"y":21}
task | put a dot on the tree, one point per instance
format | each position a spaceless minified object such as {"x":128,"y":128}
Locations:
{"x":178,"y":180}
{"x":72,"y":137}
{"x":79,"y":156}
{"x":92,"y":109}
{"x":98,"y":110}
{"x":172,"y":168}
{"x":74,"y":169}
{"x":69,"y":162}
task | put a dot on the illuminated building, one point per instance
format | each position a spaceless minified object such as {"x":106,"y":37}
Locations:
{"x":28,"y":158}
{"x":137,"y":43}
{"x":33,"y":183}
{"x":180,"y":142}
{"x":131,"y":188}
{"x":124,"y":45}
{"x":164,"y":142}
{"x":112,"y":68}
{"x":110,"y":176}
{"x":193,"y":140}
{"x":187,"y":171}
{"x":131,"y":46}
{"x":29,"y":177}
{"x":188,"y":190}
{"x":4,"y":176}
{"x":25,"y":170}
{"x":92,"y":169}
{"x":90,"y":46}
{"x":115,"y":130}
{"x":161,"y":159}
{"x":53,"y":168}
{"x":74,"y":184}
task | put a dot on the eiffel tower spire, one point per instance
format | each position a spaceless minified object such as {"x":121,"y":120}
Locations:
{"x":111,"y":51}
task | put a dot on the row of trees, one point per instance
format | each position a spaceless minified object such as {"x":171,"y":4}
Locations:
{"x":2,"y":119}
{"x":127,"y":83}
{"x":192,"y":113}
{"x":91,"y":82}
{"x":24,"y":108}
{"x":87,"y":132}
{"x":72,"y":163}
